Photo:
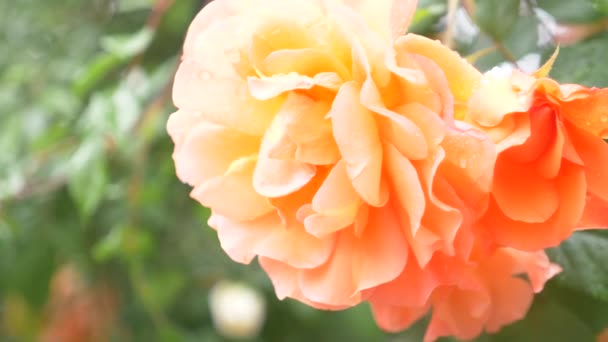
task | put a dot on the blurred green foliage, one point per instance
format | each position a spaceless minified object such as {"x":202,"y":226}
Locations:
{"x":87,"y":181}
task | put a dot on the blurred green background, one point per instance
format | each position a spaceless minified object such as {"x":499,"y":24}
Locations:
{"x":99,"y":241}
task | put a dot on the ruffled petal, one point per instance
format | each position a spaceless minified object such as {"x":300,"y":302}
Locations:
{"x":305,"y":61}
{"x":308,"y":129}
{"x":494,"y":99}
{"x":219,"y":193}
{"x":390,"y":18}
{"x":359,"y":263}
{"x":333,"y":283}
{"x":335,"y":205}
{"x":523,"y":195}
{"x":382,"y":250}
{"x":267,"y":236}
{"x":593,"y":152}
{"x":408,"y":193}
{"x":588,"y":111}
{"x":411,"y":289}
{"x":280,"y":177}
{"x":206,"y":150}
{"x":571,"y":189}
{"x":461,"y":76}
{"x":265,"y":88}
{"x":356,"y":134}
{"x":458,"y":312}
{"x":201,"y":89}
{"x":469,"y":161}
{"x":595,"y":215}
{"x":392,"y":318}
{"x":214,"y":12}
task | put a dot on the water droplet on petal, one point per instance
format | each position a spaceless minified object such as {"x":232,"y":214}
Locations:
{"x":604,"y":118}
{"x":462,"y":162}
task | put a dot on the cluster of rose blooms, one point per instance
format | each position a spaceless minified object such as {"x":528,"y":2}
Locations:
{"x":361,"y":163}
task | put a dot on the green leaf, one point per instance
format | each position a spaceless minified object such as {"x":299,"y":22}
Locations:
{"x":547,"y":320}
{"x":127,"y":109}
{"x":522,"y":40}
{"x":95,"y":72}
{"x":88,"y":178}
{"x":557,"y":314}
{"x":128,"y":45}
{"x":136,"y":243}
{"x":569,"y":11}
{"x":583,"y":63}
{"x":110,"y":245}
{"x":427,"y":15}
{"x":133,"y":5}
{"x":496,"y":17}
{"x":601,"y":6}
{"x":583,"y":257}
{"x":589,"y":310}
{"x":160,"y":289}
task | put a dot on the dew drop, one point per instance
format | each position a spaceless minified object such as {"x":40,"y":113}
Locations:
{"x":604,"y":118}
{"x":462,"y":162}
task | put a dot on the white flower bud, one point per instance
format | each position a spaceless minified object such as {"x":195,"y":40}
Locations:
{"x":237,"y":310}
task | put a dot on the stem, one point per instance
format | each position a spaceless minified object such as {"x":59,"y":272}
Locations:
{"x":448,"y":36}
{"x":506,"y":54}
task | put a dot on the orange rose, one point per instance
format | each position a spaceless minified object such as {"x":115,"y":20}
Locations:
{"x":331,"y":146}
{"x":551,"y":173}
{"x":483,"y":294}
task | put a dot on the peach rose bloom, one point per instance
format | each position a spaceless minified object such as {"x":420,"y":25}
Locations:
{"x":328,"y":143}
{"x":551,"y":173}
{"x":481,"y":294}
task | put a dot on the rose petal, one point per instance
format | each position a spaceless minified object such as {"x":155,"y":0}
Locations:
{"x":494,"y":99}
{"x":469,"y":162}
{"x":393,"y":318}
{"x":460,"y":313}
{"x":378,"y":256}
{"x":523,"y":195}
{"x":409,"y":195}
{"x":267,"y":236}
{"x":590,"y":112}
{"x":382,"y":250}
{"x":571,"y":187}
{"x":356,"y":134}
{"x":207,"y":150}
{"x":333,"y":282}
{"x":593,"y":152}
{"x":201,"y":90}
{"x":266,"y":88}
{"x":411,"y":289}
{"x":336,"y":204}
{"x":219,"y":193}
{"x":461,"y":76}
{"x":285,"y":281}
{"x":280,"y":177}
{"x":595,"y":215}
{"x":306,"y":61}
